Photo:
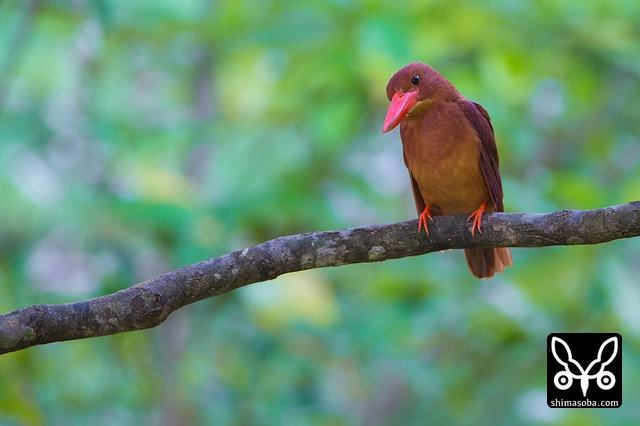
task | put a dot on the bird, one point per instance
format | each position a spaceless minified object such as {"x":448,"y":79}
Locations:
{"x":450,"y":151}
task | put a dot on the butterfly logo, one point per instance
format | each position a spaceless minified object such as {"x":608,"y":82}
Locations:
{"x":564,"y":379}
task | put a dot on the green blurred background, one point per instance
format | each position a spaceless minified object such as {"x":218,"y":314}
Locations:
{"x":140,"y":136}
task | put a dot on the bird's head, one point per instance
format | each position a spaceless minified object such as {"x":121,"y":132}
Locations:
{"x":412,"y":86}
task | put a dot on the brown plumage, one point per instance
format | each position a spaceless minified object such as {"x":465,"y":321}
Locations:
{"x":450,"y":151}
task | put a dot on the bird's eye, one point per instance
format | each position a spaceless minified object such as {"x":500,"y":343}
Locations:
{"x":415,"y":80}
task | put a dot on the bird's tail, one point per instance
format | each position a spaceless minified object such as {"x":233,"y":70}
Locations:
{"x":484,"y":262}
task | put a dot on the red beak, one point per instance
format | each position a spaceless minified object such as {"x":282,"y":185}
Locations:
{"x":401,"y":104}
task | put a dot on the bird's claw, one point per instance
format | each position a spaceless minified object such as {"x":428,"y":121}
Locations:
{"x":423,"y":220}
{"x":477,"y":219}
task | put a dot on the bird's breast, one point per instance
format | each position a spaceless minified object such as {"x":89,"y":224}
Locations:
{"x":441,"y":149}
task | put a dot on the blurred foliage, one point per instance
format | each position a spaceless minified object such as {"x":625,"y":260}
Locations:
{"x":140,"y":136}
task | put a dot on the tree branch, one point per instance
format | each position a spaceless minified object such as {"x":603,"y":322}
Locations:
{"x":148,"y":304}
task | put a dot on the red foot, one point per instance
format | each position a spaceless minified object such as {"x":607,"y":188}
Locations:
{"x":423,"y":218}
{"x":477,"y":219}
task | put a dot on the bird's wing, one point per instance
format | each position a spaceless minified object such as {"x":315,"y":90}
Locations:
{"x":417,"y":197}
{"x":479,"y":118}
